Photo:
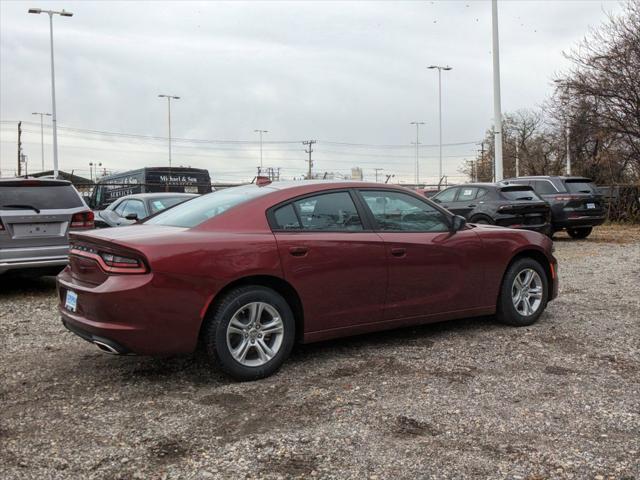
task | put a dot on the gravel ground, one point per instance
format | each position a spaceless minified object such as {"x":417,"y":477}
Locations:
{"x":463,"y":399}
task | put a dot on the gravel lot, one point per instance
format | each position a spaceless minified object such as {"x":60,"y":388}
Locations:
{"x":470,"y":398}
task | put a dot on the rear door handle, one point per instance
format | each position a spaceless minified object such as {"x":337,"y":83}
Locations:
{"x":398,"y":251}
{"x":298,"y":251}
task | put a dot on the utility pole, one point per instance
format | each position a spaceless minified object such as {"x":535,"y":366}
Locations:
{"x":378,"y":170}
{"x":261,"y":132}
{"x":19,"y":148}
{"x":309,"y":143}
{"x":169,"y":98}
{"x":497,"y":109}
{"x":42,"y":115}
{"x":417,"y":124}
{"x":568,"y":149}
{"x":517,"y":161}
{"x":481,"y":162}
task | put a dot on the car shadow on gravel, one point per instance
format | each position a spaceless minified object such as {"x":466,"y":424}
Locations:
{"x":11,"y":284}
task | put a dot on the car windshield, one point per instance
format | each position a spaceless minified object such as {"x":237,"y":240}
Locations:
{"x":194,"y":212}
{"x":580,"y":186}
{"x":49,"y":197}
{"x":159,"y":204}
{"x":521,"y":193}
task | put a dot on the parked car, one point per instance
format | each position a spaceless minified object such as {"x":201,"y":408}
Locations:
{"x":427,"y":192}
{"x":576,"y":204}
{"x":36,"y":216}
{"x":513,"y":206}
{"x":149,"y":180}
{"x":247,"y":271}
{"x":133,"y":208}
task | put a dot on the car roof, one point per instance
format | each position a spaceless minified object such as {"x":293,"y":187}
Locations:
{"x":547,"y":177}
{"x":32,"y":181}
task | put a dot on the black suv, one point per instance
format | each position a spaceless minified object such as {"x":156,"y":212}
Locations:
{"x":514,"y":206}
{"x":576,"y":204}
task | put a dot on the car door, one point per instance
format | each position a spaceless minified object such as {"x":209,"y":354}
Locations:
{"x":336,"y":265}
{"x":431,"y":270}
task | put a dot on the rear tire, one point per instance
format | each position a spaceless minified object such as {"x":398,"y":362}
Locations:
{"x":579,"y":233}
{"x":523,"y":294}
{"x":250,"y":332}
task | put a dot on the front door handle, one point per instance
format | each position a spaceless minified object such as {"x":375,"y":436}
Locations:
{"x":473,"y":205}
{"x":298,"y":251}
{"x":398,"y":251}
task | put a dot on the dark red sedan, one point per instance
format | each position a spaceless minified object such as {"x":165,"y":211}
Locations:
{"x":251,"y":270}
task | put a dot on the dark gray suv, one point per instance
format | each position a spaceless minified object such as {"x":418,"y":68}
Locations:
{"x":35,"y":218}
{"x":576,"y":204}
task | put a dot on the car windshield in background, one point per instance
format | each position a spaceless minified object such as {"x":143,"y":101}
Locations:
{"x":42,"y":198}
{"x":580,"y":186}
{"x":159,"y":204}
{"x":520,"y":194}
{"x":194,"y":212}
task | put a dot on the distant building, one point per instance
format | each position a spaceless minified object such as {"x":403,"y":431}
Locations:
{"x":82,"y":184}
{"x":356,"y":173}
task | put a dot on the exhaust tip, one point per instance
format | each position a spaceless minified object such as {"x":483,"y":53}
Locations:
{"x":105,"y":347}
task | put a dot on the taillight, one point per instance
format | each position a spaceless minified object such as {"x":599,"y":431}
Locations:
{"x":1,"y":225}
{"x":83,"y":220}
{"x":111,"y":262}
{"x":564,"y":198}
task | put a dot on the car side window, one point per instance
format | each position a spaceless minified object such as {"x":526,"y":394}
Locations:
{"x":467,"y":193}
{"x":329,"y":211}
{"x":447,"y":195}
{"x":286,"y":218}
{"x":135,"y":206}
{"x":543,"y":187}
{"x":395,"y":211}
{"x":120,"y":208}
{"x":481,"y":192}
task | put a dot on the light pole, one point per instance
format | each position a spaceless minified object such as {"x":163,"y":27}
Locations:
{"x":261,"y":132}
{"x":378,"y":170}
{"x":93,"y":167}
{"x":440,"y":69}
{"x":497,"y":109}
{"x":417,"y":124}
{"x":42,"y":115}
{"x":566,"y":87}
{"x":169,"y":98}
{"x":51,"y":13}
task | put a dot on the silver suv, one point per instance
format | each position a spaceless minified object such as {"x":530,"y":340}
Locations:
{"x":35,"y":218}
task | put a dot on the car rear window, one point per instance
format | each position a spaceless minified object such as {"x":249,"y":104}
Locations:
{"x":520,"y":193}
{"x":580,"y":186}
{"x":194,"y":212}
{"x":49,"y":197}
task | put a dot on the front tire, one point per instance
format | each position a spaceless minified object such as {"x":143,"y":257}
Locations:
{"x":579,"y":233}
{"x":250,"y":333}
{"x":523,"y":294}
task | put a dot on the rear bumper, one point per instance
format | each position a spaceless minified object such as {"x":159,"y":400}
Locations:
{"x":36,"y":263}
{"x":140,"y":314}
{"x":582,"y":221}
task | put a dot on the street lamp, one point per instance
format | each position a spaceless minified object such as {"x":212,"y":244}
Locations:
{"x":169,"y":98}
{"x":497,"y":108}
{"x":261,"y":132}
{"x":440,"y":69}
{"x":42,"y":115}
{"x":92,"y":169}
{"x":417,"y":124}
{"x":51,"y":13}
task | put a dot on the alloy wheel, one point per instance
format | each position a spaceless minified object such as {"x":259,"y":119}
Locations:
{"x":526,"y":292}
{"x":255,"y":334}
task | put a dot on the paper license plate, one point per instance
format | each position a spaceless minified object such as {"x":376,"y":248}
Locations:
{"x":591,"y":205}
{"x":71,"y":301}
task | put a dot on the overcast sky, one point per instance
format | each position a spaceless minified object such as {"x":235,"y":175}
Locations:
{"x":352,"y":72}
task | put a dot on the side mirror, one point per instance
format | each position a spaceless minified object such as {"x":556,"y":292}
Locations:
{"x":132,"y":216}
{"x":457,"y":223}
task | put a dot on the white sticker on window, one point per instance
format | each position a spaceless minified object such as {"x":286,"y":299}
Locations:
{"x":466,"y":193}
